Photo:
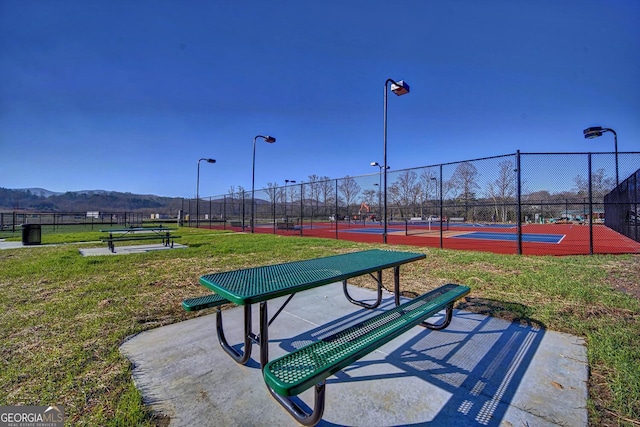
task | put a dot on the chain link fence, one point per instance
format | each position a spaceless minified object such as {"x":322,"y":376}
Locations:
{"x":521,"y":203}
{"x":515,"y":202}
{"x":622,"y":207}
{"x":11,"y":222}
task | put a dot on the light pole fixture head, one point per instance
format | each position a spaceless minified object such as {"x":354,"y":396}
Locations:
{"x":270,"y":139}
{"x":400,"y":88}
{"x":210,"y":160}
{"x":593,"y":132}
{"x":375,"y":164}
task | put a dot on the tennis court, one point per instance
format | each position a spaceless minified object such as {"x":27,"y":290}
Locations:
{"x":482,"y":235}
{"x":512,"y":237}
{"x":537,"y":239}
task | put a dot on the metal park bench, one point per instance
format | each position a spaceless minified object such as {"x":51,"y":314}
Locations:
{"x":286,"y":225}
{"x":309,"y":366}
{"x":138,"y":233}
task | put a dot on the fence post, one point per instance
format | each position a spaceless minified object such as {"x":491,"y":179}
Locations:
{"x":224,"y":212}
{"x":301,"y":205}
{"x":273,"y":211}
{"x":519,"y":202}
{"x":590,"y":208}
{"x":242,"y":210}
{"x":336,"y":214}
{"x":635,"y":209}
{"x":441,"y":211}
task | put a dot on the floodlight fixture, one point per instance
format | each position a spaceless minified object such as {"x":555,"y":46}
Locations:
{"x":592,"y":132}
{"x":400,"y":88}
{"x":596,"y":131}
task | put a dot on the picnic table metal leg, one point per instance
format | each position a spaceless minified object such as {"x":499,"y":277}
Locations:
{"x":448,"y":313}
{"x":361,"y":303}
{"x":396,"y":284}
{"x":264,"y":335}
{"x":447,"y":320}
{"x":303,"y":417}
{"x":239,"y":357}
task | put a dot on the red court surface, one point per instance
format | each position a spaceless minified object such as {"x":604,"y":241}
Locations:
{"x":563,"y":239}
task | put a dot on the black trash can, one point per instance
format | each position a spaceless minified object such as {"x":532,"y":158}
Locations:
{"x":31,"y":234}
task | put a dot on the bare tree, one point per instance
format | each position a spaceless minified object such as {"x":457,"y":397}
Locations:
{"x":464,"y":182}
{"x":237,"y":199}
{"x":428,"y":186}
{"x":327,"y":192}
{"x":349,"y":189}
{"x":600,"y":184}
{"x":370,"y":197}
{"x":313,"y":192}
{"x":272,"y":191}
{"x":503,"y":189}
{"x":405,"y":192}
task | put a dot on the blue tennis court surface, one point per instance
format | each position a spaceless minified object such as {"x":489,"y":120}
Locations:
{"x":526,"y":237}
{"x":481,"y":235}
{"x":459,"y":224}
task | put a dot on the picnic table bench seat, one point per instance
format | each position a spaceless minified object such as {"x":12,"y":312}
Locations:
{"x":206,"y":301}
{"x":311,"y":365}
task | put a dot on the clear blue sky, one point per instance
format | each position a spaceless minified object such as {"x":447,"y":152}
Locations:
{"x":128,"y":95}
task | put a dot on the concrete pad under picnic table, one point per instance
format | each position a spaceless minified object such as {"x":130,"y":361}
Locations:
{"x":131,"y":249}
{"x":480,"y":371}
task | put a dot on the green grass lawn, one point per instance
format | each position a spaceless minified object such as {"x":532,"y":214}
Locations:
{"x":64,"y":316}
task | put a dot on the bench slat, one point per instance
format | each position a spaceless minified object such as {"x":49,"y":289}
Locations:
{"x":207,"y":301}
{"x":301,"y":369}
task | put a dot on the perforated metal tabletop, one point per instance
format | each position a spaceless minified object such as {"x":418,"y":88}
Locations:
{"x":252,"y":285}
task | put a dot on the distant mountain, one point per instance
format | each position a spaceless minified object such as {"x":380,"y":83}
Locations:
{"x":48,"y":193}
{"x":39,"y":192}
{"x":42,"y":200}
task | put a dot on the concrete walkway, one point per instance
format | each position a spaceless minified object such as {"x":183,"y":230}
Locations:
{"x":120,"y":250}
{"x":480,"y":371}
{"x":14,"y":245}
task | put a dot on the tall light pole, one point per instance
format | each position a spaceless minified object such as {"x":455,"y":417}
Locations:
{"x":399,"y":88}
{"x":286,"y":182}
{"x":198,"y":190}
{"x":270,"y":140}
{"x":596,"y":131}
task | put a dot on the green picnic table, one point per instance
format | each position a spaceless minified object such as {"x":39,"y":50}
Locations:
{"x":138,"y":233}
{"x":311,"y":365}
